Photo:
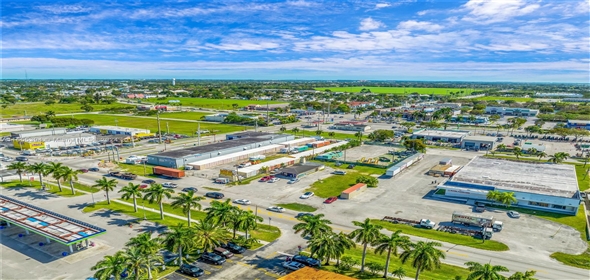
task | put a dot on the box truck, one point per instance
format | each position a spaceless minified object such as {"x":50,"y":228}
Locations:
{"x":477,"y":220}
{"x":170,"y":172}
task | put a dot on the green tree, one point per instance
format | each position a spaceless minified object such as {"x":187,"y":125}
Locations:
{"x":501,"y":147}
{"x":370,"y":181}
{"x":179,"y":239}
{"x":283,"y":128}
{"x":558,"y":157}
{"x":50,"y":114}
{"x":424,"y":256}
{"x":210,"y":235}
{"x":38,"y":168}
{"x":493,"y":195}
{"x":400,"y":273}
{"x":485,"y":272}
{"x":149,"y":247}
{"x":322,"y":246}
{"x":331,"y":134}
{"x":246,"y":221}
{"x":295,"y":130}
{"x":136,"y":261}
{"x":347,"y":262}
{"x":110,"y":267}
{"x":408,"y":125}
{"x":20,"y":167}
{"x":70,"y":175}
{"x":342,"y":242}
{"x":391,"y":244}
{"x":132,"y":191}
{"x":517,"y":152}
{"x":220,"y":212}
{"x":528,"y":275}
{"x":541,"y":154}
{"x":312,"y":225}
{"x":506,"y":198}
{"x":55,"y":168}
{"x":375,"y":267}
{"x":415,"y":145}
{"x":107,"y":186}
{"x":187,"y":201}
{"x":156,"y":193}
{"x":366,"y":234}
{"x":359,"y":135}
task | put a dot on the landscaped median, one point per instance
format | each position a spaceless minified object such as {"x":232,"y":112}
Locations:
{"x":262,"y":232}
{"x":298,"y":207}
{"x":458,"y":239}
{"x":50,"y":187}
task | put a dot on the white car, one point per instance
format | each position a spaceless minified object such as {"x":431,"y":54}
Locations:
{"x":276,"y":209}
{"x":242,"y":201}
{"x":293,"y":181}
{"x":293,"y":265}
{"x":169,"y":185}
{"x":513,"y":214}
{"x":275,"y":179}
{"x":307,"y":195}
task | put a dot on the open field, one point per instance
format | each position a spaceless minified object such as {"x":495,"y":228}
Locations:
{"x":219,"y":104}
{"x":334,"y":185}
{"x":180,"y":127}
{"x":194,"y":116}
{"x":37,"y":108}
{"x":400,"y":90}
{"x":504,"y":98}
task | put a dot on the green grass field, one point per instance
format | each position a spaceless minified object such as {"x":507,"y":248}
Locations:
{"x":219,"y":104}
{"x":504,"y":98}
{"x":180,"y":127}
{"x":444,"y":236}
{"x":334,"y":185}
{"x":298,"y":207}
{"x":399,"y":90}
{"x":37,"y":108}
{"x":194,"y":116}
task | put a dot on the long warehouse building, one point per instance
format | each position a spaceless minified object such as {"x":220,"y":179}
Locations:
{"x":234,"y":143}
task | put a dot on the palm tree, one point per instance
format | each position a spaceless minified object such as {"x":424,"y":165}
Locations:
{"x":108,"y":185}
{"x":149,"y":247}
{"x":532,"y":151}
{"x":39,"y":168}
{"x":295,"y":130}
{"x":366,"y":234}
{"x":425,"y":256}
{"x":110,"y":267}
{"x":319,"y":132}
{"x":517,"y":152}
{"x":331,"y":134}
{"x":541,"y":154}
{"x":400,"y":273}
{"x":506,"y":198}
{"x":20,"y":167}
{"x":209,"y":235}
{"x":136,"y":261}
{"x":485,"y":272}
{"x":390,"y":244}
{"x":131,"y":191}
{"x":501,"y":147}
{"x":220,"y":212}
{"x":312,"y":225}
{"x":156,"y":193}
{"x":54,"y":168}
{"x":50,"y":114}
{"x":342,"y":242}
{"x":493,"y":195}
{"x":179,"y":239}
{"x":246,"y":221}
{"x":528,"y":275}
{"x":70,"y":175}
{"x":283,"y":129}
{"x":187,"y":201}
{"x":323,"y":246}
{"x":559,"y":157}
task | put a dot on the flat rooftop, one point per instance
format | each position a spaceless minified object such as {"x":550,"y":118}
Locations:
{"x":215,"y":147}
{"x":442,"y":133}
{"x":49,"y":224}
{"x":120,"y":128}
{"x":548,"y":179}
{"x":57,"y":130}
{"x":479,"y":138}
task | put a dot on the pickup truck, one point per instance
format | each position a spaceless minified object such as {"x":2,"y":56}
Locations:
{"x":425,"y":223}
{"x":125,"y":176}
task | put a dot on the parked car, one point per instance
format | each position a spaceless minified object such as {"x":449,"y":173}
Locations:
{"x":301,"y":215}
{"x":293,"y":181}
{"x":242,"y":201}
{"x":331,"y":199}
{"x":83,"y":170}
{"x":339,"y":172}
{"x":169,"y":185}
{"x":307,"y":195}
{"x":216,"y":195}
{"x":212,"y":258}
{"x":276,"y":209}
{"x":293,"y":265}
{"x":274,"y":179}
{"x":21,"y":159}
{"x":94,"y":169}
{"x":234,"y":248}
{"x":144,"y":186}
{"x":189,"y":189}
{"x":191,"y":270}
{"x":148,"y":181}
{"x":350,"y":166}
{"x":266,"y":178}
{"x":513,"y":214}
{"x":307,"y":261}
{"x":223,"y":252}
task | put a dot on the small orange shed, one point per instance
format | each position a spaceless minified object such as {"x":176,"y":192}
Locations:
{"x":353,"y":191}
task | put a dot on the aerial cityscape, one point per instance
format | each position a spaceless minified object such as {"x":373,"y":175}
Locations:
{"x":295,"y":140}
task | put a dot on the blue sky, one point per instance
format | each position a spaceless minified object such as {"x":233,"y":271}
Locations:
{"x":499,"y":40}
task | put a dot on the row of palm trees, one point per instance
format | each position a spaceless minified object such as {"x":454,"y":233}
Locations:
{"x":326,"y":245}
{"x":142,"y":254}
{"x":58,"y":171}
{"x":558,"y":157}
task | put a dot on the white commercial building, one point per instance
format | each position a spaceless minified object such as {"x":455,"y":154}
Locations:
{"x":118,"y":130}
{"x":448,"y":136}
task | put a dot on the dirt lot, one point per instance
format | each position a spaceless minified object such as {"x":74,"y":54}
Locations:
{"x":367,"y":151}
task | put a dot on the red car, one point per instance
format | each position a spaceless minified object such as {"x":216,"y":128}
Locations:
{"x":330,"y":199}
{"x":143,"y":186}
{"x":266,"y":178}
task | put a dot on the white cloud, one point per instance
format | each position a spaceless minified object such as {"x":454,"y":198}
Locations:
{"x":419,"y":25}
{"x":244,"y":46}
{"x":486,"y":12}
{"x":370,"y":24}
{"x":64,"y":9}
{"x":382,"y":5}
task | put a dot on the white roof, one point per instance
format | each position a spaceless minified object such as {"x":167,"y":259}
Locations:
{"x":266,"y":164}
{"x":297,"y":141}
{"x":237,"y":154}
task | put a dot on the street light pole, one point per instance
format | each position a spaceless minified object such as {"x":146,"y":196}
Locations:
{"x":143,"y":203}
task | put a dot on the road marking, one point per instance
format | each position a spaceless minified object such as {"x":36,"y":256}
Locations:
{"x":270,"y":255}
{"x":539,"y":270}
{"x":244,"y":264}
{"x":207,"y":272}
{"x":458,"y":254}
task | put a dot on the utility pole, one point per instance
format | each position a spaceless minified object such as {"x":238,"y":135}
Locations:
{"x":198,"y":134}
{"x":167,"y":128}
{"x":267,"y":114}
{"x":256,"y":127}
{"x":159,"y":129}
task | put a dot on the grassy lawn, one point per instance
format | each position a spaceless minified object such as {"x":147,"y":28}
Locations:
{"x":219,"y":104}
{"x":195,"y":116}
{"x":137,"y":168}
{"x":4,"y":133}
{"x":399,"y":90}
{"x":298,"y":207}
{"x":311,"y":132}
{"x":53,"y":189}
{"x":37,"y":108}
{"x":195,"y":214}
{"x":445,"y":271}
{"x":265,"y":232}
{"x":334,"y":185}
{"x":581,"y":261}
{"x":128,"y":210}
{"x":583,"y":179}
{"x":368,"y":170}
{"x":444,"y":236}
{"x":211,"y":189}
{"x":517,"y":99}
{"x":180,"y":127}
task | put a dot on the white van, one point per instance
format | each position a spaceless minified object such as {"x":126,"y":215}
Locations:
{"x":29,"y":152}
{"x":222,"y":180}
